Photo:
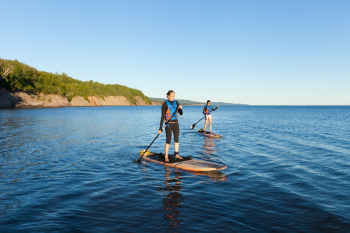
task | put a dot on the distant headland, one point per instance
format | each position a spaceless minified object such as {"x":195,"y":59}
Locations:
{"x":22,"y":86}
{"x":190,"y":102}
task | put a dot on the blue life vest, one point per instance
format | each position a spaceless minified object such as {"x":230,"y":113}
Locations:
{"x":208,"y":110}
{"x":171,"y":110}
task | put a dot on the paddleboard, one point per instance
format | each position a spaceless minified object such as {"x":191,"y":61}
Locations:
{"x":187,"y":164}
{"x":208,"y":134}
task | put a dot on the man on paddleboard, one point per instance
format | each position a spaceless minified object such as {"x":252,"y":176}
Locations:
{"x":170,"y":107}
{"x":207,"y":112}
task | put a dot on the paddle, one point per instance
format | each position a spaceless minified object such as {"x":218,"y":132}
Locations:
{"x":192,"y":126}
{"x":139,"y":159}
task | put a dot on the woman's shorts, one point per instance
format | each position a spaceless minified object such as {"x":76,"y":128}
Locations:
{"x":207,"y":117}
{"x":173,"y":127}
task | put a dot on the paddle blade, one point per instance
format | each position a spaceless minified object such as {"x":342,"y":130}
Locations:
{"x":137,"y":160}
{"x":192,"y":126}
{"x":144,"y":152}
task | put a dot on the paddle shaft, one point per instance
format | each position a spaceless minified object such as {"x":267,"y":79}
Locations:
{"x":194,"y":125}
{"x":200,"y":119}
{"x":157,"y":136}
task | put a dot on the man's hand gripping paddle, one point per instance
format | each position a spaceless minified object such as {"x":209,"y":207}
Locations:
{"x":139,"y":159}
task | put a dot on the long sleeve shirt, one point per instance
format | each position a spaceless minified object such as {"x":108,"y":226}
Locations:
{"x":205,"y":109}
{"x":164,"y":109}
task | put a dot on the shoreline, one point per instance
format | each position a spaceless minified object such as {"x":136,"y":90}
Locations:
{"x":19,"y":100}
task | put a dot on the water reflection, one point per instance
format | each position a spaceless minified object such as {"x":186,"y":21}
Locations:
{"x":172,"y":201}
{"x":209,"y":146}
{"x":213,"y":176}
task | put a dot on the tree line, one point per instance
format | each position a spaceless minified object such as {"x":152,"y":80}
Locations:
{"x":16,"y":76}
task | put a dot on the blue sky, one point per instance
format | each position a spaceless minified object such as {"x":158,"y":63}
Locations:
{"x":293,"y":52}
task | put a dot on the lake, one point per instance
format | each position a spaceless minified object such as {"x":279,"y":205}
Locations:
{"x":73,"y":170}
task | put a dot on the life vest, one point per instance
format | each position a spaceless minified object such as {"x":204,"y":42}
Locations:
{"x":208,"y":111}
{"x":171,"y":110}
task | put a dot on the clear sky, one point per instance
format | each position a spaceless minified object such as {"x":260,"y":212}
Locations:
{"x":294,"y":52}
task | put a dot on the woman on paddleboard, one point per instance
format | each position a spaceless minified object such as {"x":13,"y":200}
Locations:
{"x":170,"y":107}
{"x":207,"y":112}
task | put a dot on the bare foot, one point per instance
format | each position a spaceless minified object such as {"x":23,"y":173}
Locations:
{"x":178,"y":157}
{"x":166,"y":159}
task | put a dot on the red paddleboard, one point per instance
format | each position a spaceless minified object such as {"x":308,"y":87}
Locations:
{"x":186,"y":164}
{"x":208,"y":134}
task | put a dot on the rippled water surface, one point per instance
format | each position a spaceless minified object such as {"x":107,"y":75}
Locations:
{"x":72,"y":169}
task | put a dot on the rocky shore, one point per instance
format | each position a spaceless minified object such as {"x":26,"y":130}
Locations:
{"x":20,"y":99}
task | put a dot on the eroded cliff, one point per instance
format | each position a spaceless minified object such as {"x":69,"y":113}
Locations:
{"x":20,"y":99}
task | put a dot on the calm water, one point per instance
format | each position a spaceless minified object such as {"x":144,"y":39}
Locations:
{"x":71,"y":169}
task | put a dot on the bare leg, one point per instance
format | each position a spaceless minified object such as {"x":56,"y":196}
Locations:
{"x":210,"y":124}
{"x":205,"y":124}
{"x":176,"y":144}
{"x":166,"y":152}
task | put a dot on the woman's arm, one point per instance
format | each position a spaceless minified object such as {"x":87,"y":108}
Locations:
{"x":204,"y":110}
{"x":179,"y":109}
{"x":164,"y":108}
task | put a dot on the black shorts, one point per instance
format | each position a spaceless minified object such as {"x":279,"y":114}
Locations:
{"x":173,"y":127}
